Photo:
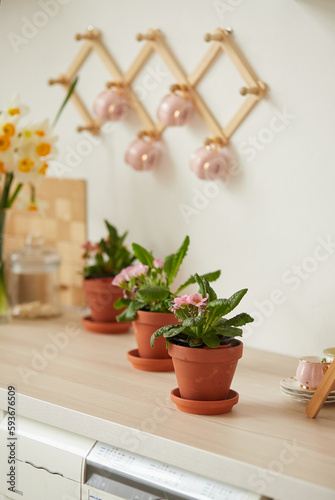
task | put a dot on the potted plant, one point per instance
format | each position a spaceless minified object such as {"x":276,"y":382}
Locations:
{"x":204,"y":349}
{"x":146,"y":288}
{"x":106,"y":259}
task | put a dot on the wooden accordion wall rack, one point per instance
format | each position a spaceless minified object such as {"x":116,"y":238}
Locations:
{"x":221,"y":41}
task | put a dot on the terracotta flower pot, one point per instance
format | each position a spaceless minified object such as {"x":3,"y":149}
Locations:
{"x":205,"y":374}
{"x":101,"y":295}
{"x":145,"y":324}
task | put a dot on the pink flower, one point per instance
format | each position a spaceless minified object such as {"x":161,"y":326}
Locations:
{"x":90,"y":249}
{"x":158,"y":263}
{"x":180,"y":302}
{"x":119,"y":279}
{"x":136,"y":271}
{"x":197,"y":300}
{"x":87,"y":246}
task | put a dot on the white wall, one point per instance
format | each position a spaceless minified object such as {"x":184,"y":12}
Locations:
{"x":271,"y":216}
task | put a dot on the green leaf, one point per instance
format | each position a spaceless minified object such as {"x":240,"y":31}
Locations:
{"x":213,"y":276}
{"x":168,"y":265}
{"x":220,"y":307}
{"x":205,"y":288}
{"x":112,"y":232}
{"x":160,"y":307}
{"x":229,"y":331}
{"x":68,"y":95}
{"x":151,"y":293}
{"x":160,"y":332}
{"x":122,"y":238}
{"x":129,"y":314}
{"x":143,"y":255}
{"x":195,"y":321}
{"x":176,"y":330}
{"x":239,"y":320}
{"x":216,"y":308}
{"x":121,"y":302}
{"x":235,"y":299}
{"x":178,"y":259}
{"x":211,"y":339}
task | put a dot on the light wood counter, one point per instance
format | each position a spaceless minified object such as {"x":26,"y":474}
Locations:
{"x":86,"y":385}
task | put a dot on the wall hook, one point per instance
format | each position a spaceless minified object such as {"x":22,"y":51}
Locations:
{"x":62,"y":80}
{"x":93,"y":128}
{"x":150,"y":35}
{"x":90,"y":34}
{"x":219,"y":35}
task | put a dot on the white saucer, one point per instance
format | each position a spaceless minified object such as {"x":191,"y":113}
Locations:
{"x":291,"y":384}
{"x":304,"y":398}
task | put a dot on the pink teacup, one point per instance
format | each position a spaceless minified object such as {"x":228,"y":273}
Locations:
{"x":208,"y":163}
{"x":110,"y":105}
{"x":310,"y":371}
{"x":174,"y":110}
{"x":143,"y":155}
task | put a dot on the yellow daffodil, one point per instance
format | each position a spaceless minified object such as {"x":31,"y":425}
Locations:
{"x":7,"y":161}
{"x":8,"y":129}
{"x":4,"y":142}
{"x":15,"y":109}
{"x":43,"y":149}
{"x":24,"y":202}
{"x":25,"y":151}
{"x":43,"y":169}
{"x":39,"y":140}
{"x":32,"y":207}
{"x":26,"y":165}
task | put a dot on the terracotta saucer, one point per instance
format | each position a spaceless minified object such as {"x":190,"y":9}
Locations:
{"x":99,"y":327}
{"x":149,"y":364}
{"x":204,"y":407}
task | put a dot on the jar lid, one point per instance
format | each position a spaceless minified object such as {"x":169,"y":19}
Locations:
{"x":34,"y":257}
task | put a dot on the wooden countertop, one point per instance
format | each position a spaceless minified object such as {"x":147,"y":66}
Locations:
{"x":86,"y":385}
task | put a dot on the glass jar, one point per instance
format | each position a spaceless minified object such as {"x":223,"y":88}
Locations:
{"x":34,"y":280}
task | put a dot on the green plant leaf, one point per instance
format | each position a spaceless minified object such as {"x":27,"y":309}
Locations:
{"x":68,"y":95}
{"x":176,"y":330}
{"x":178,"y":259}
{"x":121,"y":302}
{"x":129,"y":314}
{"x":213,"y":276}
{"x":205,"y":288}
{"x":211,"y":339}
{"x":235,"y":299}
{"x":122,"y":238}
{"x":112,"y":232}
{"x":160,"y":332}
{"x":168,"y":265}
{"x":216,"y":309}
{"x":239,"y":320}
{"x":220,"y":307}
{"x":151,"y":293}
{"x":143,"y":255}
{"x":160,"y":307}
{"x":228,"y":331}
{"x":195,"y":321}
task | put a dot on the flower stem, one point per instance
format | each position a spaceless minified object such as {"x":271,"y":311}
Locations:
{"x":4,"y":305}
{"x":2,"y":230}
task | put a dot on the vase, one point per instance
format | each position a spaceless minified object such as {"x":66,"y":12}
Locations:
{"x":4,"y":302}
{"x":101,"y":295}
{"x":145,"y":324}
{"x":205,"y":374}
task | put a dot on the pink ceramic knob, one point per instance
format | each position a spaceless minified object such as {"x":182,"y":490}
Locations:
{"x":143,"y":155}
{"x":111,"y":106}
{"x":174,"y":110}
{"x":207,"y":163}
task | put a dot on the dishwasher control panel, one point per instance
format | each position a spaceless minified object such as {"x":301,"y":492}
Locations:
{"x":113,"y":473}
